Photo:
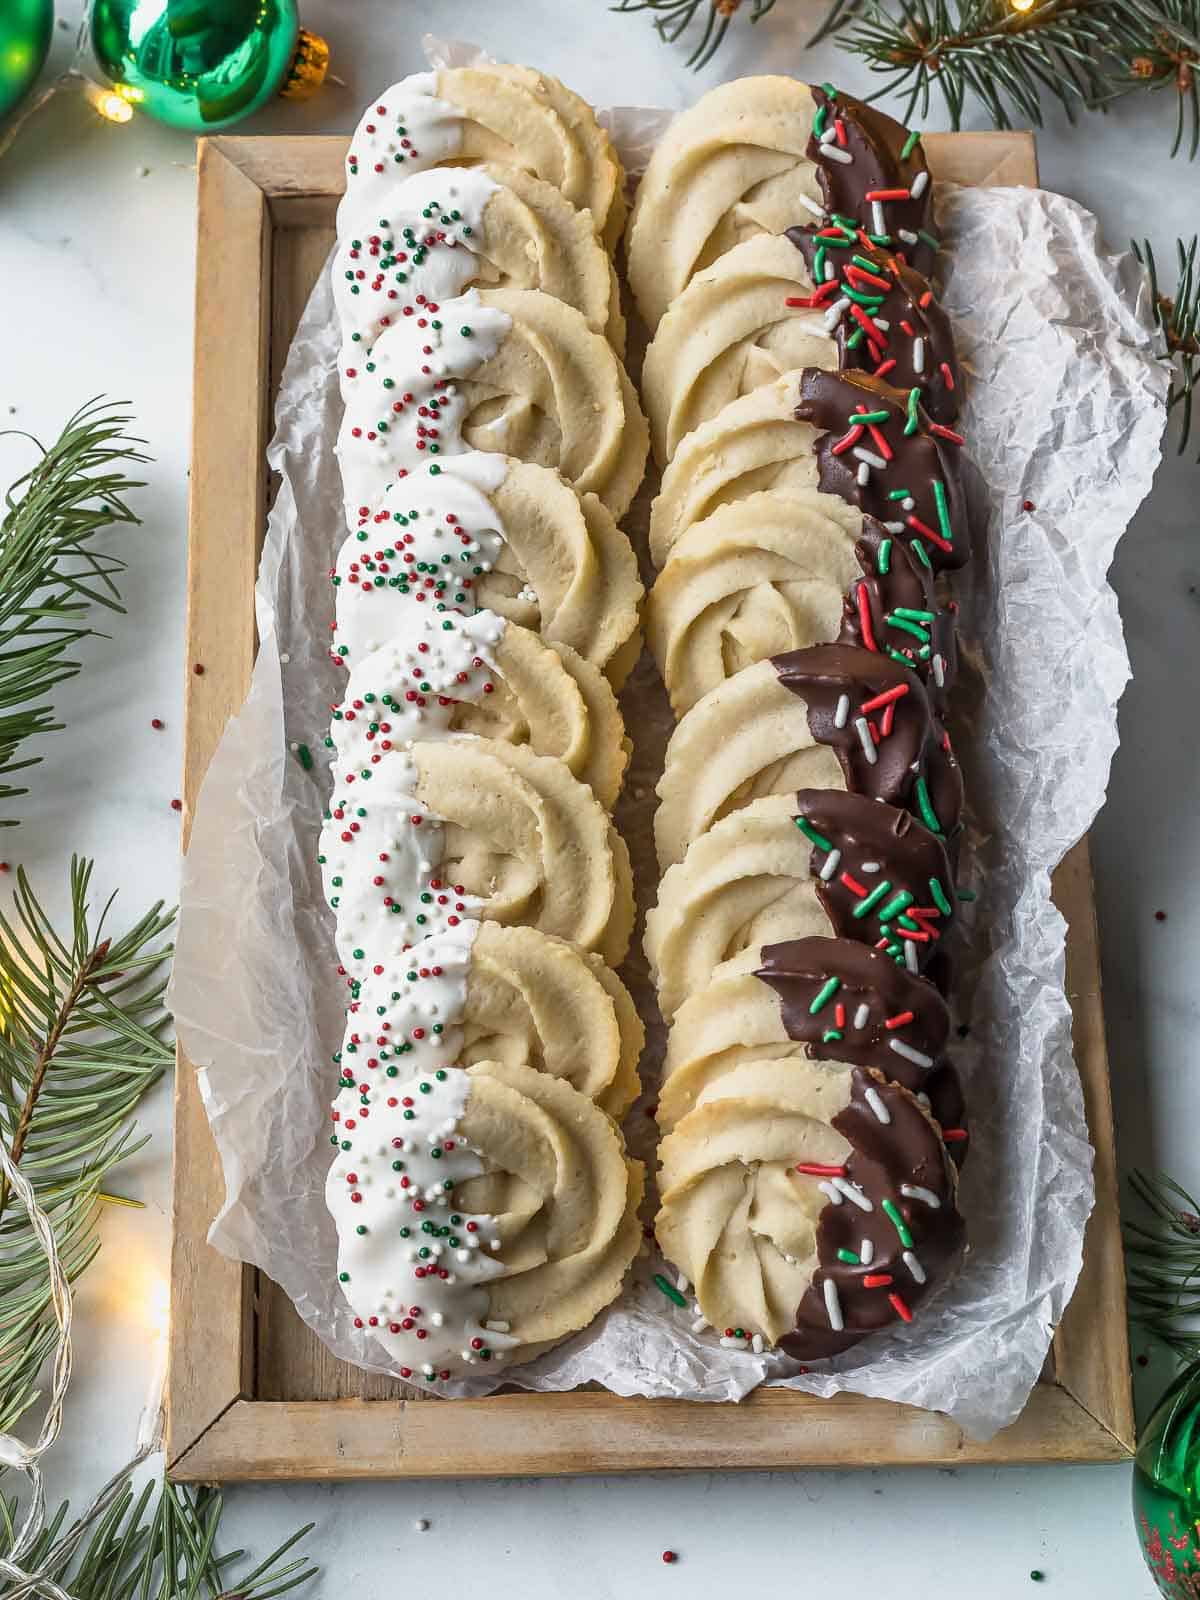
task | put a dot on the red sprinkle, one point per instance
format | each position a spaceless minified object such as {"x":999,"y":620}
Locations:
{"x":885,"y":698}
{"x":887,"y":194}
{"x":877,"y":1280}
{"x":198,"y":669}
{"x":899,"y":1308}
{"x":1028,"y":505}
{"x":157,"y":722}
{"x":176,"y":805}
{"x":864,"y":618}
{"x":899,"y":1020}
{"x":670,"y":1557}
{"x":819,"y":1169}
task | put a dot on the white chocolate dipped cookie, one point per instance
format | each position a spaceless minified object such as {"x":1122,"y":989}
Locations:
{"x":508,"y":371}
{"x":464,"y":827}
{"x":442,"y":232}
{"x":489,"y":113}
{"x":482,"y":1215}
{"x":489,"y":531}
{"x":754,"y":578}
{"x":493,"y":679}
{"x":741,"y":323}
{"x":482,"y":992}
{"x":808,"y":1206}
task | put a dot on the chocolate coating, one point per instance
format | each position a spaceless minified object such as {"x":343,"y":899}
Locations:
{"x":885,"y":1156}
{"x":909,"y":308}
{"x":906,"y":586}
{"x":874,"y":142}
{"x":913,"y":461}
{"x":883,"y":861}
{"x":901,"y":760}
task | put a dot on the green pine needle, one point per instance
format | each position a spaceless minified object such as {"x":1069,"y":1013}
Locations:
{"x":161,"y":1551}
{"x":674,"y":16}
{"x":1177,"y":317}
{"x":1163,"y":1261}
{"x":81,"y":1042}
{"x":51,"y":576}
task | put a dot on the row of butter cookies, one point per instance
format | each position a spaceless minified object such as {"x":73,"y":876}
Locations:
{"x":806,"y":1188}
{"x":484,"y":610}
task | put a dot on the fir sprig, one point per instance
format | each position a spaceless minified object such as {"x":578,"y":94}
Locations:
{"x":148,"y":1548}
{"x":1177,"y":317}
{"x":81,"y":1042}
{"x":1163,"y":1258}
{"x":672,"y":17}
{"x":51,"y":575}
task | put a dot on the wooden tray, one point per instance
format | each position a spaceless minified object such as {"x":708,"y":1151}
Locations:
{"x":252,"y":1392}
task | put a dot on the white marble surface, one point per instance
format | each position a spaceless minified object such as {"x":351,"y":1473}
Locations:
{"x":96,"y":257}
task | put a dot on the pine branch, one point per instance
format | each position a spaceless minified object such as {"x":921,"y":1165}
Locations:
{"x":81,"y":1025}
{"x":1163,"y":1262}
{"x":674,"y":16}
{"x":1084,"y":54}
{"x":1177,"y":318}
{"x":167,"y":1551}
{"x":51,"y":576}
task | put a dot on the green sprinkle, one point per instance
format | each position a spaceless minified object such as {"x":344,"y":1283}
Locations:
{"x":898,"y":655}
{"x":304,"y":756}
{"x":943,"y":511}
{"x":855,"y":339}
{"x":871,"y":416}
{"x":849,"y":1258}
{"x":911,"y":423}
{"x":880,"y":238}
{"x":928,"y":814}
{"x":897,"y":1222}
{"x":884,"y":559}
{"x":869,"y":266}
{"x":918,"y":550}
{"x":896,"y":904}
{"x":910,"y":144}
{"x":879,"y":892}
{"x":819,"y":121}
{"x":669,"y":1289}
{"x":827,"y":88}
{"x":809,"y":832}
{"x":934,"y":244}
{"x":913,"y":616}
{"x":847,"y":223}
{"x":831,"y":1035}
{"x":939,"y":897}
{"x":819,"y":264}
{"x":871,"y":301}
{"x":908,"y":925}
{"x":895,"y":620}
{"x":899,"y":494}
{"x":827,"y":991}
{"x":965,"y":894}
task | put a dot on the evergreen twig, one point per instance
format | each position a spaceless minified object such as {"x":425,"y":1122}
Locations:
{"x":50,"y":573}
{"x":1163,"y":1257}
{"x":674,"y":16}
{"x":81,"y":1041}
{"x":1177,"y":317}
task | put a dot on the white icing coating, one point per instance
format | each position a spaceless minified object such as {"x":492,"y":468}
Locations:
{"x":406,"y":690}
{"x":433,"y":535}
{"x":414,"y":1269}
{"x":414,"y":1008}
{"x":406,"y":129}
{"x":380,"y":855}
{"x":419,"y":240}
{"x":402,"y":404}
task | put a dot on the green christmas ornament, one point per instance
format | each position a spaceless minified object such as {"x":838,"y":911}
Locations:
{"x":1166,"y":1489}
{"x":24,"y":41}
{"x":202,"y":65}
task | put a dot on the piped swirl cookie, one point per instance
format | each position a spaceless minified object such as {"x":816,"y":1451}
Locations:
{"x":809,"y":1207}
{"x":482,"y":1215}
{"x":437,"y":234}
{"x":762,"y":155}
{"x":490,"y":113}
{"x":509,"y":371}
{"x":482,"y":992}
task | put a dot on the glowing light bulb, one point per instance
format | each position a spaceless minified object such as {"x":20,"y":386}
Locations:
{"x":1023,"y":5}
{"x":112,"y":106}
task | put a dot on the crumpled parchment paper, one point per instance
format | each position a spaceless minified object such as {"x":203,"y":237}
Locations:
{"x":1065,"y":409}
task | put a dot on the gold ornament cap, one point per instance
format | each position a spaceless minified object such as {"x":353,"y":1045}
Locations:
{"x":309,"y":67}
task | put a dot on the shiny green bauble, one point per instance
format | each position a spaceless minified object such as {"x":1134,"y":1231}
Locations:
{"x":25,"y":27}
{"x":1166,"y":1489}
{"x":200,"y":65}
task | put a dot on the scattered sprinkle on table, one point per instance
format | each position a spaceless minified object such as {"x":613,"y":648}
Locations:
{"x":1037,"y":1575}
{"x":1160,"y":916}
{"x":421,"y":1525}
{"x":157,"y":723}
{"x":198,"y":669}
{"x":670,"y":1557}
{"x":176,"y":805}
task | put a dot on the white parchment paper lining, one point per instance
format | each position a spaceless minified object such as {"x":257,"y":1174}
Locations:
{"x":1065,"y":410}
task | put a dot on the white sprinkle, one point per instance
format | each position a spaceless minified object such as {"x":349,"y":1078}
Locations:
{"x":830,"y":1192}
{"x":908,"y":503}
{"x":866,"y":1252}
{"x":827,"y":134}
{"x":862,"y":1016}
{"x":917,"y":1057}
{"x":914,"y":1191}
{"x":918,"y":355}
{"x":919,"y":185}
{"x":881,"y":322}
{"x":878,"y":221}
{"x":814,"y":206}
{"x":894,"y":527}
{"x":906,"y":237}
{"x":882,"y":1114}
{"x":924,"y":1099}
{"x":497,"y":1327}
{"x":284,"y":657}
{"x":756,"y":1344}
{"x":863,"y":476}
{"x":842,"y":712}
{"x":832,"y":862}
{"x":734,"y":1344}
{"x":914,"y":1266}
{"x":683,"y":1283}
{"x":853,"y":1194}
{"x":865,"y":739}
{"x":830,"y":270}
{"x":833,"y":1306}
{"x":910,"y":957}
{"x":699,"y":1325}
{"x":834,"y":315}
{"x":939,"y":671}
{"x":421,"y":1525}
{"x":835,"y":154}
{"x":870,"y":457}
{"x":869,"y":866}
